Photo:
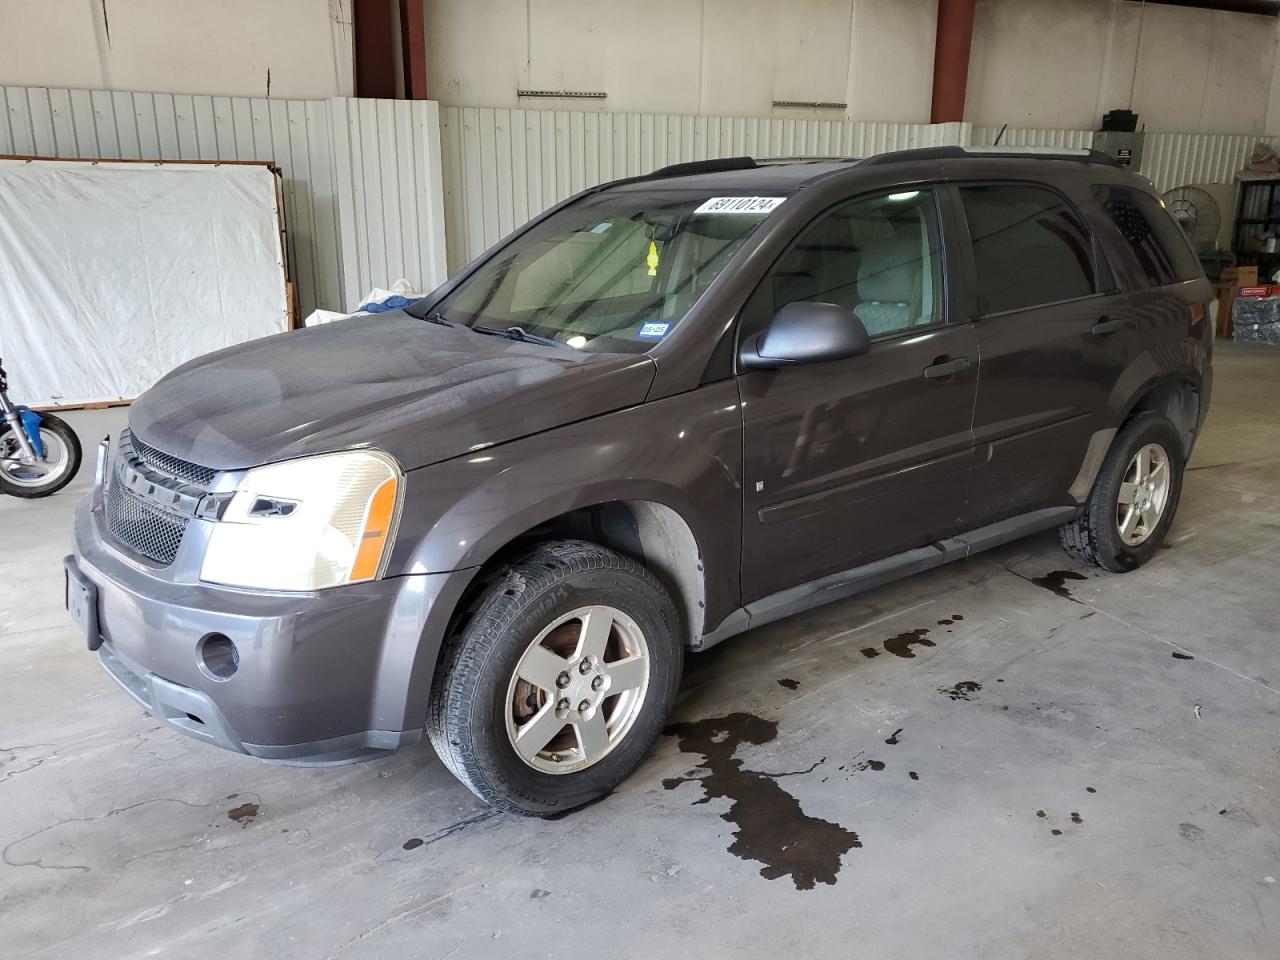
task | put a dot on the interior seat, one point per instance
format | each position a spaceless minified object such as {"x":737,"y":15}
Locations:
{"x":889,"y":285}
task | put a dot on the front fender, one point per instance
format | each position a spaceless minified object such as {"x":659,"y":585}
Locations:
{"x":31,"y":421}
{"x":683,"y":452}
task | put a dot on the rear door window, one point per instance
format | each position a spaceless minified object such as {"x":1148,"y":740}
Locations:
{"x":1159,"y":246}
{"x":1030,"y":247}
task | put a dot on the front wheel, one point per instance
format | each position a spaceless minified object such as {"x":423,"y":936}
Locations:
{"x":1134,"y":497}
{"x":559,"y":681}
{"x":55,"y":471}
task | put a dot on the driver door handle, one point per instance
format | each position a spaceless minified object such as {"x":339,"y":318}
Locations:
{"x":943,"y":368}
{"x":1107,"y":325}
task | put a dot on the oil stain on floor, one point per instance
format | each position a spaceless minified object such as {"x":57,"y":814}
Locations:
{"x":900,"y":645}
{"x":244,"y":814}
{"x":1055,"y":582}
{"x":964,"y":690}
{"x":771,"y":827}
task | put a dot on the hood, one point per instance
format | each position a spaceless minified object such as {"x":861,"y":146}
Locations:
{"x":419,"y":391}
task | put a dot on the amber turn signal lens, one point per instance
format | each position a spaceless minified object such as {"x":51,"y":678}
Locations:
{"x":377,"y":527}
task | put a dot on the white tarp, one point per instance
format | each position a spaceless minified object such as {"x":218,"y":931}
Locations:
{"x":112,"y":274}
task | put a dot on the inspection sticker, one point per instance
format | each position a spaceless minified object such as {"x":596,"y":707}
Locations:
{"x":653,"y":331}
{"x":740,"y":205}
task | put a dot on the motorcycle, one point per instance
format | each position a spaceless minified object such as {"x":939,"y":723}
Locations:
{"x":39,"y":453}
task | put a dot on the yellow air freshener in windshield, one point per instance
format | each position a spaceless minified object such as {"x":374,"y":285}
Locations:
{"x":652,"y":259}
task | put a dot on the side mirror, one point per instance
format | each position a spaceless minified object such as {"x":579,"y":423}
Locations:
{"x":805,"y":332}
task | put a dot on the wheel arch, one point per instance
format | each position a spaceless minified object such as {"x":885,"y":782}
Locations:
{"x":1177,"y":395}
{"x":1177,"y":398}
{"x":651,"y":531}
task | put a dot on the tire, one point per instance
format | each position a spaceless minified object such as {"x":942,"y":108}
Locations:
{"x":58,"y":431}
{"x":1095,"y":536}
{"x":481,"y":703}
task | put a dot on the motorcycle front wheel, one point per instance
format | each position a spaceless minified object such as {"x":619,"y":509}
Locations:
{"x":55,"y":471}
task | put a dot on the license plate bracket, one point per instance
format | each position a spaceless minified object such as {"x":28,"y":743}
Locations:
{"x":82,"y":603}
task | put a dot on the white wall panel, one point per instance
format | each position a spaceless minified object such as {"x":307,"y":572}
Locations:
{"x":387,"y":171}
{"x":361,"y":178}
{"x":281,"y":48}
{"x":503,"y":167}
{"x":1175,"y":159}
{"x":1035,"y":63}
{"x":1028,"y":137}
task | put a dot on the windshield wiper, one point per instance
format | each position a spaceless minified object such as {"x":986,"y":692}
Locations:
{"x":517,"y":333}
{"x":438,"y":317}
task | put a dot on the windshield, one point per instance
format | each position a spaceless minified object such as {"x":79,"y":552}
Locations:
{"x":613,"y":273}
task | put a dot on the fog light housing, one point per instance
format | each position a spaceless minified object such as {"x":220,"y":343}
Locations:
{"x":218,"y":657}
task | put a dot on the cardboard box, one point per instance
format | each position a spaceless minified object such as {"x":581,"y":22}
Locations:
{"x":1240,"y":276}
{"x":1226,"y":297}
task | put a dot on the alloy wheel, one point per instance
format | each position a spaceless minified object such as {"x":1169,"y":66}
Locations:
{"x":577,"y":689}
{"x":1144,"y":494}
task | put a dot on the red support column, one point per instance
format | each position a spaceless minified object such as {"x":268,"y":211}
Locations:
{"x":951,"y":59}
{"x":375,"y":50}
{"x":413,"y":49}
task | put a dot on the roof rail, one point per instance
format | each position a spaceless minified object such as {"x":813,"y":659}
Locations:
{"x":1010,"y":153}
{"x":703,"y":166}
{"x":766,"y":161}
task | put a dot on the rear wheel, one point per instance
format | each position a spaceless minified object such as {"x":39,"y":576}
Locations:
{"x":46,"y":476}
{"x":559,"y":681}
{"x":1133,"y":500}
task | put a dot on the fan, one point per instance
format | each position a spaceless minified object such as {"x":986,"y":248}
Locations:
{"x":1197,"y":213}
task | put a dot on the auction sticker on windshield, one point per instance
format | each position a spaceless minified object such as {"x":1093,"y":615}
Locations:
{"x":740,"y":205}
{"x":653,"y":331}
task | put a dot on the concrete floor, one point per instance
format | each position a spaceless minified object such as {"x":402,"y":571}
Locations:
{"x":1039,"y":761}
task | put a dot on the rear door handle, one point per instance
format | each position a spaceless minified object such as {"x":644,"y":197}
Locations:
{"x":943,"y":369}
{"x":1106,"y":326}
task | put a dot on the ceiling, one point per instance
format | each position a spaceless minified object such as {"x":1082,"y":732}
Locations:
{"x":1266,"y":8}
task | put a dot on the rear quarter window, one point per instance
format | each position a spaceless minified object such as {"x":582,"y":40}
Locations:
{"x":1158,"y":245}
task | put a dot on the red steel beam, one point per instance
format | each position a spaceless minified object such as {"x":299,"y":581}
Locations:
{"x":951,"y":59}
{"x":374,"y":49}
{"x":413,"y":49}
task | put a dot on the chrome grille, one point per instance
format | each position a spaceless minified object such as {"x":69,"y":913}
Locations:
{"x":168,"y":465}
{"x":140,"y":524}
{"x":141,"y":527}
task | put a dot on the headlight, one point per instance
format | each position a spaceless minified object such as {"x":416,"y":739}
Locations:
{"x":307,"y":524}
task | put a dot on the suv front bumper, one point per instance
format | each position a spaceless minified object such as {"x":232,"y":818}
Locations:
{"x":332,"y":676}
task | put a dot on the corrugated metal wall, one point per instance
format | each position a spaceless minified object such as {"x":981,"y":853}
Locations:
{"x":361,"y":178}
{"x":1168,"y":159}
{"x":1176,"y":159}
{"x":1029,"y":137}
{"x":377,"y":190}
{"x":502,"y":167}
{"x":390,"y":194}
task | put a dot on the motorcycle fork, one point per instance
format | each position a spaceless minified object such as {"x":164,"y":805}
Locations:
{"x":13,"y":418}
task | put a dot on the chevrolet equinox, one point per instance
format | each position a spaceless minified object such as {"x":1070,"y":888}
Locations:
{"x":668,"y":410}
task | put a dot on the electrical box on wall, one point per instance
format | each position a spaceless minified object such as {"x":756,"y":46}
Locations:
{"x":1124,"y":147}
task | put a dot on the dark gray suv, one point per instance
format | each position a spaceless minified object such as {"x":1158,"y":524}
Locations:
{"x":668,"y":410}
